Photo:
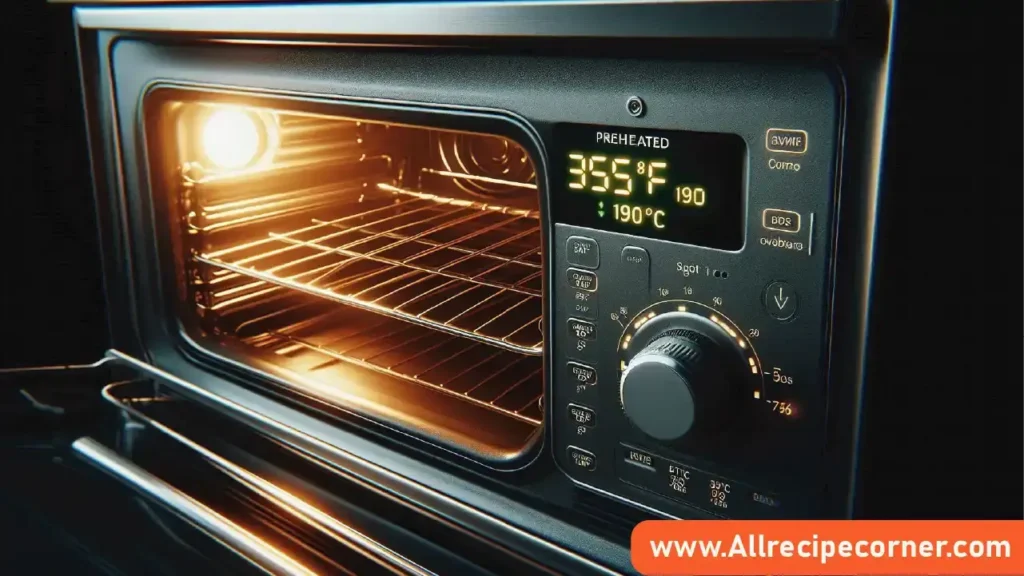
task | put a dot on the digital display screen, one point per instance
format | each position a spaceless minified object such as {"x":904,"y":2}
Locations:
{"x":671,"y":185}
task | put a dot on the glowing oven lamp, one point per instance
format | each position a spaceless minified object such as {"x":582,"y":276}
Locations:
{"x":231,"y":138}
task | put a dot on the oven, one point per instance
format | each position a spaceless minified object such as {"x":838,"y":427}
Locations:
{"x":470,"y":287}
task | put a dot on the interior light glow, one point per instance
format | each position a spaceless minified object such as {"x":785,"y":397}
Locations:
{"x":231,"y":138}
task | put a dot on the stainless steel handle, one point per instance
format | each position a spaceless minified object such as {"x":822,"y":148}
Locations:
{"x":295,"y":506}
{"x":249,"y":547}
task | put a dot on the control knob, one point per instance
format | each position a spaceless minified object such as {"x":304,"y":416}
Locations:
{"x":685,"y":378}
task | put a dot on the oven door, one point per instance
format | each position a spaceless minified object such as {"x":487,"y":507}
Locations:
{"x":124,"y":468}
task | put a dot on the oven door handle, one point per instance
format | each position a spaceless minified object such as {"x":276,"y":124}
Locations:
{"x":250,"y":497}
{"x":291,"y":504}
{"x":255,"y":550}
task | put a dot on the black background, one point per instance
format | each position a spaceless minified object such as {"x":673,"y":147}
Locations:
{"x":51,"y":294}
{"x":943,"y":413}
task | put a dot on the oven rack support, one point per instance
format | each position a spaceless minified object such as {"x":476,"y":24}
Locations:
{"x":480,"y":393}
{"x":463,"y":267}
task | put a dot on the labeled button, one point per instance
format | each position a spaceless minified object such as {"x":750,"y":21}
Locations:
{"x":582,"y":415}
{"x":638,"y":458}
{"x":780,"y":300}
{"x":581,"y":251}
{"x":583,"y":303}
{"x":582,"y":374}
{"x":719,"y":494}
{"x":762,"y":504}
{"x":582,"y":459}
{"x":682,"y":482}
{"x":582,"y":280}
{"x":581,"y":329}
{"x":636,"y":263}
{"x":780,"y":220}
{"x":785,"y":140}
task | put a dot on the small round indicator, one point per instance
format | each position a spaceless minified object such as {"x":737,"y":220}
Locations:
{"x":635,"y":106}
{"x":780,"y":301}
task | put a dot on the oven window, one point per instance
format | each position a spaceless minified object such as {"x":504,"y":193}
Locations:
{"x":392,"y":271}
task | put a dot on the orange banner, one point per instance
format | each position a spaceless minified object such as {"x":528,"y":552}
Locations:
{"x":842,"y":547}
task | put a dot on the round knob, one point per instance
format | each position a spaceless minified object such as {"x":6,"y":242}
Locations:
{"x":683,"y":378}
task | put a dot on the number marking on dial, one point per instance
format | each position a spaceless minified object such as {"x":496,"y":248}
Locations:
{"x":721,"y":320}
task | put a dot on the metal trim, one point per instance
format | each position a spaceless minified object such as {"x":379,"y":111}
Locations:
{"x":733,"y":19}
{"x":249,"y":547}
{"x":58,"y":367}
{"x":873,"y":189}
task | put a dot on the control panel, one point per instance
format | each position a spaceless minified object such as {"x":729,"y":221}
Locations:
{"x":691,"y":379}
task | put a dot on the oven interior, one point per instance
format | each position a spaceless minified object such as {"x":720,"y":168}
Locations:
{"x":391,"y":271}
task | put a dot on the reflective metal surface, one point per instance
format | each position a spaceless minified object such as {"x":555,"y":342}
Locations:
{"x":774,"y":19}
{"x":288,"y":501}
{"x":253,"y":549}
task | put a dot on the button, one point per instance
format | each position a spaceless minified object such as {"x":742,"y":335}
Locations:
{"x":761,"y":504}
{"x":584,"y":304}
{"x":636,"y":263}
{"x":780,"y":220}
{"x":639,"y":468}
{"x":582,"y":459}
{"x":788,"y":141}
{"x":780,"y":300}
{"x":582,"y":280}
{"x":580,"y":251}
{"x":581,"y":329}
{"x":638,"y":458}
{"x":682,"y":482}
{"x":582,"y":415}
{"x":720,"y":495}
{"x":582,"y":374}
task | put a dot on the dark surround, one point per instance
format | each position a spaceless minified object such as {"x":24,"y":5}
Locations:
{"x":52,"y":294}
{"x":942,"y":408}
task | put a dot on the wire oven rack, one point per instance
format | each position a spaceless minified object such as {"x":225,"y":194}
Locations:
{"x":499,"y":380}
{"x":466,"y":268}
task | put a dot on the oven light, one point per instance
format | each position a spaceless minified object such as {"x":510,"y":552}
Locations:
{"x":231,"y":138}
